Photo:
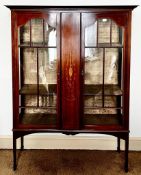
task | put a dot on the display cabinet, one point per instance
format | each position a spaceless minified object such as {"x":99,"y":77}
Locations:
{"x":71,"y":71}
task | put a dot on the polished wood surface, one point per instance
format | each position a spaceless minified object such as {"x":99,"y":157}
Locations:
{"x":70,"y":8}
{"x":70,"y":54}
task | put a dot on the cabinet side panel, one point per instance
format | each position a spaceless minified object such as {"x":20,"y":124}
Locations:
{"x":15,"y":68}
{"x":70,"y":70}
{"x":127,"y":70}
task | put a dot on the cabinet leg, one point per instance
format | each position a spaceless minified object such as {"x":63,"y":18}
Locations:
{"x":126,"y":153}
{"x":14,"y":152}
{"x":118,"y":144}
{"x":22,"y":143}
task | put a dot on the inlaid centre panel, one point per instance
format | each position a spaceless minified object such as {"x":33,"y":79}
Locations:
{"x":70,"y":54}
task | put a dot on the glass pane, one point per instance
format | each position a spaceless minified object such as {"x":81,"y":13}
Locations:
{"x":24,"y":34}
{"x":110,"y":101}
{"x":117,"y":34}
{"x":113,"y":71}
{"x":47,"y":77}
{"x":93,"y":65}
{"x":104,"y":119}
{"x":50,"y":35}
{"x":47,"y":66}
{"x":28,"y":66}
{"x":112,"y":90}
{"x":37,"y":117}
{"x":111,"y":66}
{"x":28,"y":100}
{"x":37,"y":31}
{"x":104,"y":31}
{"x":91,"y":35}
{"x":48,"y":100}
{"x":93,"y":77}
{"x":92,"y":101}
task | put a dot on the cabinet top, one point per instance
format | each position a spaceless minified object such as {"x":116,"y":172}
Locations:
{"x":68,"y":8}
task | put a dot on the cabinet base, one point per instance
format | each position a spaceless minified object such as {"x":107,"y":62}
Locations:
{"x":120,"y":135}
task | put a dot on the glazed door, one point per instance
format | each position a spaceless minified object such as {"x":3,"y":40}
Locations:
{"x":39,"y":71}
{"x":103,"y":55}
{"x":47,"y":82}
{"x":70,"y":62}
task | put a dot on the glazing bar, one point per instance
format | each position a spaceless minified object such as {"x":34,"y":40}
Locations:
{"x":103,"y":77}
{"x":37,"y":78}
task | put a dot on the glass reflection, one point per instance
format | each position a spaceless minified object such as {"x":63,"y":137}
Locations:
{"x":93,"y":66}
{"x":111,"y":66}
{"x":24,"y":34}
{"x":37,"y":31}
{"x":47,"y":66}
{"x":117,"y":34}
{"x":91,"y":35}
{"x":29,"y":66}
{"x":104,"y":31}
{"x":47,"y":77}
{"x":50,"y":35}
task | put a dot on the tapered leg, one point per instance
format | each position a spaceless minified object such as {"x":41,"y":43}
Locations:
{"x":22,"y":143}
{"x":126,"y":152}
{"x":14,"y":152}
{"x":118,"y":144}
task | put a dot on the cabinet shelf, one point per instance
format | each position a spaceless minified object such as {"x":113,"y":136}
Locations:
{"x":98,"y":107}
{"x":106,"y":45}
{"x":32,"y":89}
{"x":35,"y":46}
{"x":38,"y":107}
{"x":92,"y":90}
{"x":89,"y":119}
{"x":38,"y":119}
{"x":102,"y":119}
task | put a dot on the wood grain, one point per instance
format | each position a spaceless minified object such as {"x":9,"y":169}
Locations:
{"x":70,"y":70}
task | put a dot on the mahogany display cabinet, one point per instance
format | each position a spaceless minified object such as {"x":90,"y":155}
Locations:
{"x":71,"y":71}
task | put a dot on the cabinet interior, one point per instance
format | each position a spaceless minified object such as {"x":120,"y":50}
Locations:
{"x":102,"y":92}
